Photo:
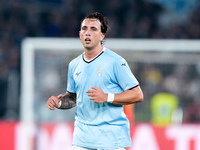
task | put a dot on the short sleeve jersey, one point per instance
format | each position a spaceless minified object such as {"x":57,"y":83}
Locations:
{"x":100,"y":125}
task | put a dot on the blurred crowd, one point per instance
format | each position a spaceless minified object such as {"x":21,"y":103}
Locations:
{"x":150,"y":19}
{"x":179,"y":79}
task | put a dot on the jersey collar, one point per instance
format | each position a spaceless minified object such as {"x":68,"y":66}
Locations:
{"x":89,"y":61}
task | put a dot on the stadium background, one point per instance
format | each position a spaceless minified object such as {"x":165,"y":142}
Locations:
{"x":135,"y":19}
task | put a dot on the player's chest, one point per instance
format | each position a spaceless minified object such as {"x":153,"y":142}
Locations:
{"x":97,"y":71}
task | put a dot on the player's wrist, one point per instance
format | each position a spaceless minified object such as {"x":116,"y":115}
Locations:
{"x":110,"y":98}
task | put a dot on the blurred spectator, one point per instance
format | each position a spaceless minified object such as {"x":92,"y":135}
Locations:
{"x":3,"y":79}
{"x":163,"y":107}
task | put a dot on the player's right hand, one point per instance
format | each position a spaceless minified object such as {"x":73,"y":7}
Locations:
{"x":53,"y":102}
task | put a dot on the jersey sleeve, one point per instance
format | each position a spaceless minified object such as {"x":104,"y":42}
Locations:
{"x":124,"y":76}
{"x":70,"y":80}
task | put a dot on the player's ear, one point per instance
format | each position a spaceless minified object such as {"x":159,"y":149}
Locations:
{"x":79,"y":34}
{"x":102,"y":36}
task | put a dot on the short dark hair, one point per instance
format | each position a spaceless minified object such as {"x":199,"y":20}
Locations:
{"x":101,"y":18}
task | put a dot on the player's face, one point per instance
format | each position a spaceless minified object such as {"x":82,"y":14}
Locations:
{"x":90,"y":33}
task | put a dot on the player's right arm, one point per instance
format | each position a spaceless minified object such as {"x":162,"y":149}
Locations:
{"x":66,"y":101}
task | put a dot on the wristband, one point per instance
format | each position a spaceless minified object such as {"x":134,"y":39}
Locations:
{"x":111,"y":98}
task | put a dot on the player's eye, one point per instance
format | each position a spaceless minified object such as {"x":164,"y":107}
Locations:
{"x":84,"y":28}
{"x":94,"y":29}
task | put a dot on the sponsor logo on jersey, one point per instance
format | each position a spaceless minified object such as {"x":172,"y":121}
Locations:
{"x":78,"y":73}
{"x":123,"y":64}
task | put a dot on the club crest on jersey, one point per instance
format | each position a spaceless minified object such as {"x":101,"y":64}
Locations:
{"x":100,"y":71}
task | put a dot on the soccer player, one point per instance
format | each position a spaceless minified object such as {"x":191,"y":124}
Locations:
{"x":99,"y":83}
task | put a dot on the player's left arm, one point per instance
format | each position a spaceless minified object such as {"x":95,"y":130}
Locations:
{"x":131,"y":96}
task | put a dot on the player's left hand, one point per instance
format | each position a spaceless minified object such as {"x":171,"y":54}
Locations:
{"x":97,"y":95}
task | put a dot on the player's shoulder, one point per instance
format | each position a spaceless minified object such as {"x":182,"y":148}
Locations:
{"x":75,"y":60}
{"x":113,"y":55}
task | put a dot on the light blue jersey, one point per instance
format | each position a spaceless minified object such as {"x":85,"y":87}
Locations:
{"x":101,"y":126}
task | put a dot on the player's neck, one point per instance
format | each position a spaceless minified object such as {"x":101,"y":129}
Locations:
{"x":92,"y":53}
